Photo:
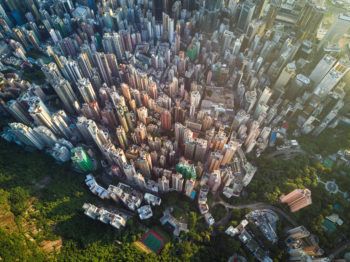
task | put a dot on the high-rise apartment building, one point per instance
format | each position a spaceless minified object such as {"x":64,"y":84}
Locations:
{"x":177,"y":182}
{"x":26,"y":135}
{"x":309,"y":20}
{"x":322,"y":68}
{"x":86,"y":90}
{"x":332,"y":78}
{"x":165,"y":119}
{"x":245,"y":15}
{"x":297,"y":199}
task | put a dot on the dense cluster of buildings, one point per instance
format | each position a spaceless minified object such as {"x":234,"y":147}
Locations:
{"x":258,"y":222}
{"x":125,"y":194}
{"x":115,"y":219}
{"x":302,"y":245}
{"x":170,"y":94}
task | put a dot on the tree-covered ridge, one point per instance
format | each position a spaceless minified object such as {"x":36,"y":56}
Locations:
{"x":50,"y":196}
{"x":42,"y":201}
{"x":276,"y":177}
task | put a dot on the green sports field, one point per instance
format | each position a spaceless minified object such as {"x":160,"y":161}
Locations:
{"x":153,"y":241}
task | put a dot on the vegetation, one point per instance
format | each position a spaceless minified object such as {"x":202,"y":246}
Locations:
{"x":40,"y":203}
{"x":19,"y":200}
{"x":277,"y":177}
{"x":218,"y":212}
{"x":328,"y":142}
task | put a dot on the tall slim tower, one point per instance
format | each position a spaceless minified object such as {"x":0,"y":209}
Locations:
{"x":322,"y":68}
{"x":332,"y":78}
{"x":165,"y":119}
{"x":287,"y":73}
{"x":86,"y":90}
{"x":309,"y":20}
{"x":245,"y":16}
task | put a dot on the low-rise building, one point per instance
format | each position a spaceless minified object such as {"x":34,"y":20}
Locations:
{"x":178,"y":226}
{"x":145,"y":212}
{"x":96,"y":188}
{"x":152,"y":199}
{"x":125,"y":193}
{"x":209,"y":219}
{"x":114,"y":219}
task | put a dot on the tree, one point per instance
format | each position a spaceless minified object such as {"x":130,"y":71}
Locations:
{"x":19,"y":200}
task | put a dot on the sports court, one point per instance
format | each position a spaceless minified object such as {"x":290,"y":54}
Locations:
{"x":153,"y":241}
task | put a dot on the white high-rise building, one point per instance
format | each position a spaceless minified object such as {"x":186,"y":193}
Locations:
{"x":163,"y":184}
{"x":195,"y":98}
{"x":177,"y":182}
{"x":86,"y":90}
{"x":46,"y":135}
{"x":26,"y":135}
{"x":322,"y":68}
{"x":265,"y":96}
{"x":42,"y":116}
{"x":332,"y":78}
{"x":18,"y":112}
{"x":287,"y":73}
{"x":61,"y":121}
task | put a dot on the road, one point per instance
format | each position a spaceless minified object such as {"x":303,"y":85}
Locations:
{"x":339,"y":250}
{"x":259,"y":205}
{"x":287,"y":153}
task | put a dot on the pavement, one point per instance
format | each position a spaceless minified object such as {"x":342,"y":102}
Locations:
{"x":342,"y":247}
{"x":259,"y":205}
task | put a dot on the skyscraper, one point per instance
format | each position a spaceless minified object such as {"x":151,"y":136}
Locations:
{"x":165,"y":119}
{"x":309,"y":20}
{"x":18,"y":112}
{"x":46,"y":135}
{"x":42,"y":116}
{"x":211,"y":14}
{"x":61,"y":121}
{"x":66,"y":95}
{"x":142,"y":114}
{"x":81,"y":160}
{"x":287,"y":73}
{"x":201,"y":150}
{"x":86,"y":90}
{"x":229,"y":152}
{"x":322,"y":68}
{"x":245,"y":15}
{"x":121,"y":136}
{"x":177,"y":182}
{"x":332,"y":78}
{"x":26,"y":135}
{"x":189,"y":185}
{"x":163,"y":183}
{"x":297,"y":199}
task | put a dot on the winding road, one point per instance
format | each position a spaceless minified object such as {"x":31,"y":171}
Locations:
{"x":339,"y":249}
{"x":261,"y":205}
{"x":258,"y":205}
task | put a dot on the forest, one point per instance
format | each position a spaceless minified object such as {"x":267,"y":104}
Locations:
{"x":41,"y":205}
{"x":41,"y":218}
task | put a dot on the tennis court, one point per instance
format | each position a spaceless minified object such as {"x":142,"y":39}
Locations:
{"x":153,"y":241}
